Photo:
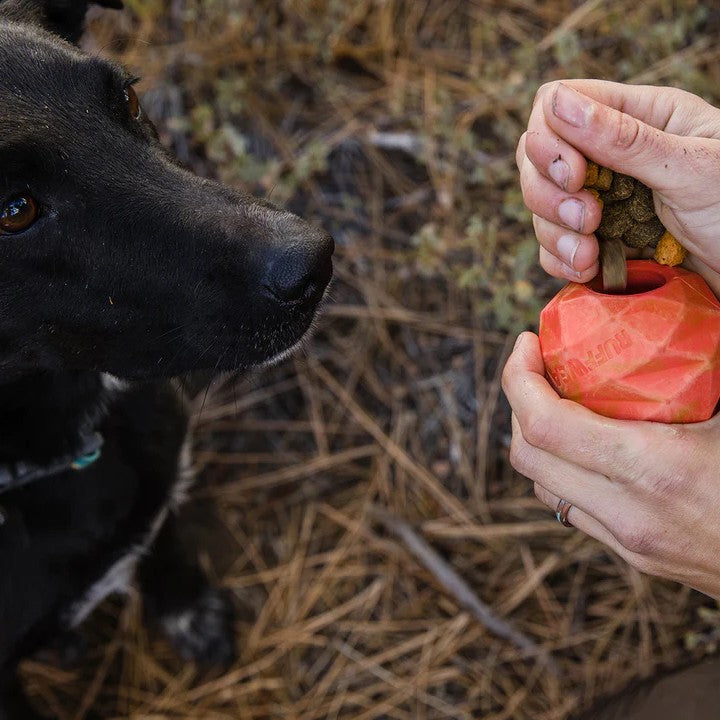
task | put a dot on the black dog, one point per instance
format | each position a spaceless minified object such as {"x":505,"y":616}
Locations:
{"x":118,"y":268}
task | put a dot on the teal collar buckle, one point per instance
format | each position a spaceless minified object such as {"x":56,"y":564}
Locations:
{"x":15,"y":475}
{"x":85,"y":461}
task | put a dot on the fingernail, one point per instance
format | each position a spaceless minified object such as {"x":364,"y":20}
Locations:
{"x":570,"y":273}
{"x":572,"y":107}
{"x":559,"y":171}
{"x":518,"y":342}
{"x":572,"y":213}
{"x":567,"y":246}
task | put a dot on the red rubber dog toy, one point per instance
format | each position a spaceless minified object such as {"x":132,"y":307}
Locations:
{"x":650,"y":353}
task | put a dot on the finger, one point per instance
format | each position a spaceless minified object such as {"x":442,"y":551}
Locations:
{"x":607,"y":511}
{"x":557,"y":268}
{"x":552,"y":156}
{"x":578,"y":252}
{"x":576,"y":211}
{"x":618,"y":139}
{"x":577,"y":517}
{"x":669,"y":109}
{"x":567,"y":429}
{"x":592,"y":492}
{"x":587,"y":524}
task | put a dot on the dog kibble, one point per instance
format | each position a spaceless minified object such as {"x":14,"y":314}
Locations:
{"x":669,"y":251}
{"x":604,"y":179}
{"x":628,"y":218}
{"x":591,"y":174}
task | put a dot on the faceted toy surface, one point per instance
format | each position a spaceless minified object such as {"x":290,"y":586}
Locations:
{"x":650,"y":353}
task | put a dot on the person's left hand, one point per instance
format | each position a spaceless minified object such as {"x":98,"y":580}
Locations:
{"x":649,"y":491}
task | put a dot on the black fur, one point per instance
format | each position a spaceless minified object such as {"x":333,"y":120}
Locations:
{"x":63,"y":17}
{"x":138,"y":269}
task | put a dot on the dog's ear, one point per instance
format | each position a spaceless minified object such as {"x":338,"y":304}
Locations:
{"x":63,"y":17}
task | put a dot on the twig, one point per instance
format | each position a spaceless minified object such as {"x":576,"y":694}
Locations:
{"x":456,"y":586}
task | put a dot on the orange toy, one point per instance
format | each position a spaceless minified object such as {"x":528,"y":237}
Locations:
{"x":649,"y":353}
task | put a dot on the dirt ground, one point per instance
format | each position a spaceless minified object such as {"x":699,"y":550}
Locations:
{"x":386,"y":559}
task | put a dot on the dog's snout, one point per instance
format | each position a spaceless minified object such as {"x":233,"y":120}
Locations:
{"x":301,"y":272}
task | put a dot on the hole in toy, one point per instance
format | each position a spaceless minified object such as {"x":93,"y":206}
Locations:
{"x":639,"y":280}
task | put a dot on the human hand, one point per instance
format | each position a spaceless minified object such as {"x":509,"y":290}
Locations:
{"x":647,"y":490}
{"x":667,"y":138}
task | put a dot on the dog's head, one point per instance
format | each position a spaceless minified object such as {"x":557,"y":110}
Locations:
{"x":112,"y":257}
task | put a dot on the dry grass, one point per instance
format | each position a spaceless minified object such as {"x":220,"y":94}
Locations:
{"x":373,"y":531}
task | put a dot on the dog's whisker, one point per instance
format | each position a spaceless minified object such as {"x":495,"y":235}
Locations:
{"x":210,"y":381}
{"x":171,"y":333}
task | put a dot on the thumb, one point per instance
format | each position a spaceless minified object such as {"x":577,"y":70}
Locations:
{"x":526,"y":355}
{"x":616,"y":139}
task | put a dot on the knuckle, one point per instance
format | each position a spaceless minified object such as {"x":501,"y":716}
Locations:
{"x":662,"y":486}
{"x":637,"y":537}
{"x":663,"y":478}
{"x":631,"y":452}
{"x":537,"y":429}
{"x":629,"y":134}
{"x":631,"y":470}
{"x":679,"y":98}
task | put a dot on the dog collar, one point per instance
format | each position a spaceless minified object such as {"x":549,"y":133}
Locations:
{"x":15,"y":475}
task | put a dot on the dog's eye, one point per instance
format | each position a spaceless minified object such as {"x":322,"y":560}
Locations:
{"x":133,"y":102}
{"x":18,"y":214}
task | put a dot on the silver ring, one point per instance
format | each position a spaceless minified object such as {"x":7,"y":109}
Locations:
{"x":561,"y":512}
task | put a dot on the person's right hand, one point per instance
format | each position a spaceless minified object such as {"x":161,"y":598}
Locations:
{"x":668,"y":139}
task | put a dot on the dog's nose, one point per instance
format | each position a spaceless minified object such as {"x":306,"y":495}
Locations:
{"x":300,"y":273}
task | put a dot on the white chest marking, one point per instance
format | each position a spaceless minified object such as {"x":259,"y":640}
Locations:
{"x":118,"y":578}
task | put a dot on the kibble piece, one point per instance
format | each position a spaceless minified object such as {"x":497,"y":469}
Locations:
{"x":623,"y":186}
{"x":641,"y":235}
{"x":640,"y":205}
{"x":614,"y":222}
{"x":669,"y":251}
{"x":604,"y":180}
{"x":591,"y":174}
